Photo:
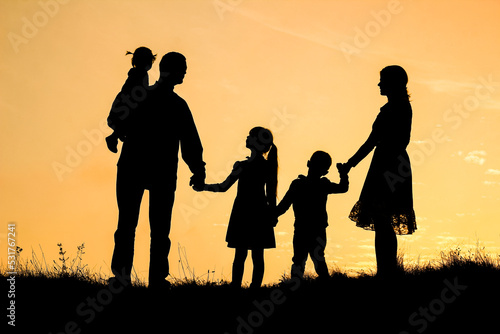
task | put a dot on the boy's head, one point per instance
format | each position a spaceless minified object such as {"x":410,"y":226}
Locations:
{"x":319,"y":163}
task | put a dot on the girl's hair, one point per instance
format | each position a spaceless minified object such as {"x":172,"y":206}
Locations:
{"x":264,"y":143}
{"x":141,"y":57}
{"x":397,"y":78}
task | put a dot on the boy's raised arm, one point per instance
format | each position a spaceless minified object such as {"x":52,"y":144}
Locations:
{"x":343,"y":185}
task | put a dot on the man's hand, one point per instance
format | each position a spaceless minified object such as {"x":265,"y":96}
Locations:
{"x":197,"y":182}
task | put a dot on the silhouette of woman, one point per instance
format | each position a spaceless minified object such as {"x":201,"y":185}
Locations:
{"x":251,"y":223}
{"x":386,"y":201}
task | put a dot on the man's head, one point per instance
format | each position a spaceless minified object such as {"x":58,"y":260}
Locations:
{"x":173,"y":68}
{"x":319,"y":164}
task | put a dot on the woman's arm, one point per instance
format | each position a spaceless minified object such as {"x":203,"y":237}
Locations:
{"x":363,"y":151}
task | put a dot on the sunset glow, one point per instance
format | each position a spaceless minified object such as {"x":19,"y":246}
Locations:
{"x":307,"y":70}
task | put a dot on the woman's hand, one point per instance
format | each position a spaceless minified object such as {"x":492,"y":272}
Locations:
{"x":344,"y":168}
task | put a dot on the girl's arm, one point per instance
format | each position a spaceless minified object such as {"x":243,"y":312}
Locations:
{"x":228,"y":182}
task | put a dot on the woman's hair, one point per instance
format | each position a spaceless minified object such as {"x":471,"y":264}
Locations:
{"x":397,"y":79}
{"x":142,"y":57}
{"x":264,"y":143}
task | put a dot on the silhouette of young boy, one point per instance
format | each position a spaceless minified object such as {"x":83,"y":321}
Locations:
{"x":308,"y":195}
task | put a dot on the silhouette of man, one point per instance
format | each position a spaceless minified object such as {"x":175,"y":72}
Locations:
{"x":149,"y":161}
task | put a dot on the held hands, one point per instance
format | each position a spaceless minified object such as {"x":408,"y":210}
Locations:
{"x":197,"y":182}
{"x":343,"y":168}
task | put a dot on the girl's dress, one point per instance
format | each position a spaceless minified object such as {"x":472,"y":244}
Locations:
{"x":387,"y":191}
{"x":250,"y":225}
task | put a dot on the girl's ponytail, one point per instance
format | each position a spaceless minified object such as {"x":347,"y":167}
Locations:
{"x":262,"y":142}
{"x":272,"y":158}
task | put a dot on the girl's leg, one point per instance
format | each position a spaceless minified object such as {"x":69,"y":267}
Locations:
{"x":258,"y":267}
{"x":240,"y":255}
{"x":386,"y":247}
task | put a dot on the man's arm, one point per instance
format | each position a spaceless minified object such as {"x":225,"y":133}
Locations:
{"x":191,"y":148}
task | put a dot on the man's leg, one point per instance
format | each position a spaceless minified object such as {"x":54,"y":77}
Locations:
{"x":161,"y":202}
{"x":129,"y":195}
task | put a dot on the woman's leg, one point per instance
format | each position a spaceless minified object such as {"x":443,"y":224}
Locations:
{"x":240,"y":255}
{"x":386,"y":247}
{"x":258,"y":267}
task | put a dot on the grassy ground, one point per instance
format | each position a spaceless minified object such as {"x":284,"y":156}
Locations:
{"x":457,"y":294}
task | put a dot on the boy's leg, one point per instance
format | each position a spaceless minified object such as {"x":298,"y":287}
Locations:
{"x":129,"y":195}
{"x":258,"y":267}
{"x":317,"y":252}
{"x":299,"y":254}
{"x":161,"y":201}
{"x":240,"y":255}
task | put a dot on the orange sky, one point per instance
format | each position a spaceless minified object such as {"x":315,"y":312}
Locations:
{"x":308,"y":70}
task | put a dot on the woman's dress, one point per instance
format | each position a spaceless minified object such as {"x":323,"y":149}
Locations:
{"x":387,"y":191}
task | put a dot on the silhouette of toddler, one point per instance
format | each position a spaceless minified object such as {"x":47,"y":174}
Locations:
{"x":142,"y":60}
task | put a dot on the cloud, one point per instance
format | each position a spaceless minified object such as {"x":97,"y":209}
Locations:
{"x":476,"y":157}
{"x":492,"y":172}
{"x":492,"y":104}
{"x":491,"y":183}
{"x":448,"y":86}
{"x":446,"y":239}
{"x":277,"y":26}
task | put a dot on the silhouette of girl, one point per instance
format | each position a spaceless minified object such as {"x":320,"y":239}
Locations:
{"x":251,"y":223}
{"x":142,"y":60}
{"x":386,"y":201}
